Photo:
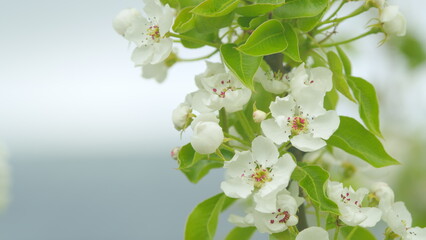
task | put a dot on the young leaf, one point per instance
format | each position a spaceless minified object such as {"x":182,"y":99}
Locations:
{"x":184,"y":21}
{"x":312,"y":179}
{"x":208,"y":37}
{"x":259,"y":7}
{"x":301,"y":9}
{"x":368,"y":104}
{"x":240,"y":233}
{"x":331,"y":99}
{"x":355,"y":233}
{"x":188,"y":3}
{"x":293,"y":43}
{"x":242,"y":65}
{"x":353,"y":138}
{"x":202,"y":222}
{"x":212,"y":24}
{"x":345,"y":60}
{"x":339,"y":80}
{"x":307,"y":24}
{"x":215,"y":8}
{"x":266,"y":39}
{"x":281,"y":236}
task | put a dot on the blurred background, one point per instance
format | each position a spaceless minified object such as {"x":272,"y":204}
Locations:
{"x":88,"y":140}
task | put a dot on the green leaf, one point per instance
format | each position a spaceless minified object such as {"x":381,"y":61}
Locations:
{"x":212,"y":24}
{"x":215,"y":8}
{"x":353,"y":138}
{"x":188,"y":3}
{"x":242,"y":65}
{"x":339,"y":79}
{"x":240,"y":233}
{"x":281,"y":236}
{"x":331,"y":221}
{"x":172,"y":3}
{"x":293,"y":43}
{"x":202,"y":222}
{"x":194,"y":165}
{"x":368,"y":104}
{"x":412,"y":48}
{"x":266,"y":39}
{"x":331,"y":99}
{"x":184,"y":21}
{"x":345,"y":61}
{"x":259,"y":7}
{"x":313,"y":179}
{"x":301,"y":9}
{"x":208,"y":37}
{"x":307,"y":24}
{"x":356,"y":233}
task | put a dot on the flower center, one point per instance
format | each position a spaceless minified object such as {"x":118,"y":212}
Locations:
{"x":154,"y":32}
{"x":224,"y":87}
{"x":346,"y":198}
{"x":298,"y":124}
{"x":281,"y":217}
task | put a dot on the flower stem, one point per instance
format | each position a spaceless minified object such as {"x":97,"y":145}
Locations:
{"x":337,"y":10}
{"x":358,"y":11}
{"x":245,"y":124}
{"x":317,"y":216}
{"x":198,"y":58}
{"x":236,"y":139}
{"x":336,"y":233}
{"x":351,"y":39}
{"x":349,"y":237}
{"x":223,"y":120}
{"x":191,"y":39}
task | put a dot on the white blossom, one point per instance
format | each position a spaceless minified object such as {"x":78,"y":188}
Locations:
{"x":219,"y":89}
{"x":311,"y":233}
{"x":181,"y":115}
{"x":148,"y":33}
{"x":259,"y":171}
{"x":273,"y":82}
{"x":259,"y":116}
{"x":394,"y":22}
{"x":156,"y":71}
{"x":175,"y":153}
{"x":124,"y":19}
{"x":350,"y":205}
{"x":305,"y":124}
{"x":207,"y":134}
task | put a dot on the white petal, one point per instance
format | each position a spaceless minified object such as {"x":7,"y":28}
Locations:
{"x":389,"y":13}
{"x":207,"y":137}
{"x":351,"y":214}
{"x":201,"y":101}
{"x":310,"y":101}
{"x":246,"y":221}
{"x":156,"y":71}
{"x":323,"y":126}
{"x":124,"y":19}
{"x":162,"y":50}
{"x":236,"y":188}
{"x":240,"y":164}
{"x":266,"y":203}
{"x":321,"y":79}
{"x":264,"y":151}
{"x":311,"y":233}
{"x":142,"y":55}
{"x":307,"y":143}
{"x":283,"y":107}
{"x":373,"y":216}
{"x":274,"y":132}
{"x":281,"y":172}
{"x":205,"y":117}
{"x":153,"y":8}
{"x":416,"y":233}
{"x":166,"y":20}
{"x":262,"y":222}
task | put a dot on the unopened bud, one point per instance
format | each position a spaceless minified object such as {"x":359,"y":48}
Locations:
{"x":175,"y":153}
{"x":125,"y":19}
{"x":259,"y":116}
{"x":181,"y":115}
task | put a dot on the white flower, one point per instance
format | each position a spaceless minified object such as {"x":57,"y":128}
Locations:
{"x":181,"y":116}
{"x":149,"y":34}
{"x":350,"y":205}
{"x":156,"y":71}
{"x":311,"y":233}
{"x":207,"y":134}
{"x":399,"y":220}
{"x":393,"y":21}
{"x":124,"y":19}
{"x":175,"y":153}
{"x":384,"y":194}
{"x":305,"y":124}
{"x":259,"y":116}
{"x":274,"y":82}
{"x":377,"y":3}
{"x":219,"y":89}
{"x":260,"y":172}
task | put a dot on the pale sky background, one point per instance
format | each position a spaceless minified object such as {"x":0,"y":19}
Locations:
{"x":89,"y":140}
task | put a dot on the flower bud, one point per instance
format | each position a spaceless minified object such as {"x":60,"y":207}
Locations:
{"x":175,"y":153}
{"x":393,"y":21}
{"x":180,"y":116}
{"x":259,"y":116}
{"x":125,"y":19}
{"x":207,"y":137}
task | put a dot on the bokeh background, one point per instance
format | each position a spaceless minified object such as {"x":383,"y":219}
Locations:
{"x":89,"y":140}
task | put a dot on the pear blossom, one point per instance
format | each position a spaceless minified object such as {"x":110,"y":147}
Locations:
{"x":350,"y":205}
{"x":156,"y":71}
{"x":219,"y":89}
{"x":377,"y":3}
{"x":259,"y":116}
{"x":305,"y":124}
{"x":147,"y":33}
{"x":124,"y":19}
{"x":274,"y":82}
{"x":310,"y":233}
{"x":181,"y":116}
{"x":207,"y":134}
{"x":394,"y":22}
{"x":260,"y":172}
{"x":399,"y":221}
{"x":175,"y":153}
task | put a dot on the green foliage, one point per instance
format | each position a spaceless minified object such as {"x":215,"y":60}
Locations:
{"x":313,"y":179}
{"x":307,"y":24}
{"x":345,"y":61}
{"x":212,"y":24}
{"x":293,"y":43}
{"x":202,"y":222}
{"x":413,"y":50}
{"x":266,"y":39}
{"x":259,"y":7}
{"x":242,"y":65}
{"x":368,"y":104}
{"x":215,"y":8}
{"x":184,"y":21}
{"x":301,"y":9}
{"x":339,"y":79}
{"x":353,"y":138}
{"x":281,"y":236}
{"x":240,"y":233}
{"x":355,"y":233}
{"x":331,"y":99}
{"x":208,"y":37}
{"x":195,"y":166}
